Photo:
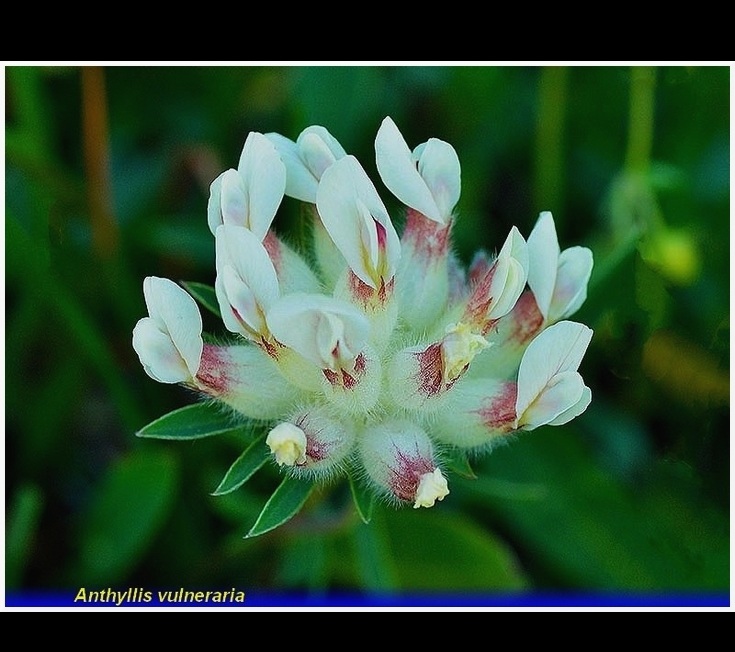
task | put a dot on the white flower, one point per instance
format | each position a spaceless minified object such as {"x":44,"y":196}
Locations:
{"x":358,"y":222}
{"x":249,"y":196}
{"x":169,"y":341}
{"x":550,"y":390}
{"x":326,"y":442}
{"x":558,"y":279}
{"x":427,"y":179}
{"x":390,"y":349}
{"x":306,"y":159}
{"x":246,"y":284}
{"x":495,"y":293}
{"x":399,"y":457}
{"x":329,"y":332}
{"x":557,"y":287}
{"x":547,"y":390}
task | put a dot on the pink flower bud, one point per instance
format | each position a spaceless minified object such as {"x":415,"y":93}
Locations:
{"x":326,"y":442}
{"x":399,"y":459}
{"x":478,"y":414}
{"x":246,"y":379}
{"x":419,"y":376}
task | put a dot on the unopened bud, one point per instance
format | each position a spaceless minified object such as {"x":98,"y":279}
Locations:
{"x":328,"y":441}
{"x":432,"y":487}
{"x":399,"y":458}
{"x":287,"y":443}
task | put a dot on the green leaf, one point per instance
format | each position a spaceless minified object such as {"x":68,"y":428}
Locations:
{"x":456,"y":460}
{"x":436,"y":550}
{"x":23,"y":516}
{"x":363,"y":499}
{"x":374,"y":561}
{"x":304,"y":562}
{"x":252,"y":458}
{"x":190,"y":422}
{"x":285,"y":502}
{"x":126,"y":513}
{"x":204,"y":294}
{"x":596,"y":531}
{"x":27,"y":259}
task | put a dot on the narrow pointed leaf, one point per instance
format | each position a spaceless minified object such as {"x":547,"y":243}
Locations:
{"x":252,"y":459}
{"x":285,"y":503}
{"x":204,"y":294}
{"x":363,"y":499}
{"x":190,"y":422}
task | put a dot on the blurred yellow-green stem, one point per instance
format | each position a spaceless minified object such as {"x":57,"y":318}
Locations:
{"x":550,"y":127}
{"x":97,"y":161}
{"x":641,"y":119}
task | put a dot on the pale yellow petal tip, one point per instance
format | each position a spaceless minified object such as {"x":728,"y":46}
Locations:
{"x":288,"y":444}
{"x":459,"y":347}
{"x":432,"y":487}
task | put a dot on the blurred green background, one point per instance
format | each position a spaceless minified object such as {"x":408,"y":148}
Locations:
{"x":106,"y":181}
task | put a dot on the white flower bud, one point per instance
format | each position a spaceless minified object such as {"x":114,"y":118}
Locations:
{"x":427,"y":179}
{"x":288,"y":444}
{"x":495,"y":294}
{"x":306,"y":159}
{"x":169,"y":341}
{"x":246,"y":284}
{"x":249,"y":196}
{"x":358,"y":222}
{"x":328,"y":441}
{"x":432,"y":487}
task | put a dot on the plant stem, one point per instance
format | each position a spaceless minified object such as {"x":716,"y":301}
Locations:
{"x":96,"y":162}
{"x":640,"y":127}
{"x":549,"y":169}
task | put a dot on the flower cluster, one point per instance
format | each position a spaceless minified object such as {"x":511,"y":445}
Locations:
{"x":381,"y":352}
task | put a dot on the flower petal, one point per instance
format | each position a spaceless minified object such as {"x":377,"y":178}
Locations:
{"x":161,"y":360}
{"x":214,"y":204}
{"x":345,"y":199}
{"x":327,"y":331}
{"x":438,"y":165}
{"x":543,"y":258}
{"x":319,"y":149}
{"x":300,"y":182}
{"x":510,"y":277}
{"x":563,"y":392}
{"x":397,"y":169}
{"x":176,"y":313}
{"x":573,"y":275}
{"x":264,"y":176}
{"x":234,"y":199}
{"x":557,"y":349}
{"x":575,"y":410}
{"x":246,"y":278}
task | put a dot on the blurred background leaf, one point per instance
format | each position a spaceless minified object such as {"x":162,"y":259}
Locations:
{"x":131,"y":505}
{"x":107,"y":174}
